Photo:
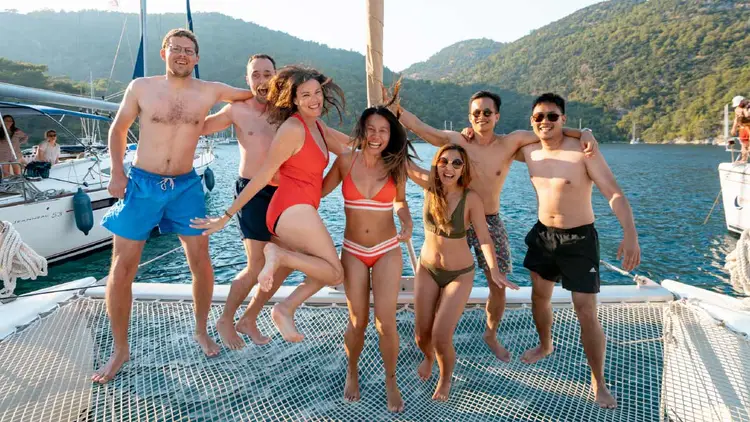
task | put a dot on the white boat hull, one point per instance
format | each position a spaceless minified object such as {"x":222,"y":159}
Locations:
{"x":735,"y":192}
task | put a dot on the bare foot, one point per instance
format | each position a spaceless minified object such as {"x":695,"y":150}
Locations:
{"x":107,"y":372}
{"x":229,"y":336}
{"x":393,"y":395}
{"x":536,"y":354}
{"x":207,"y":344}
{"x":351,"y":387}
{"x":265,"y":277}
{"x":425,"y":369}
{"x":442,"y":391}
{"x":500,"y":352}
{"x":603,"y":397}
{"x":248,"y":326}
{"x":285,"y":323}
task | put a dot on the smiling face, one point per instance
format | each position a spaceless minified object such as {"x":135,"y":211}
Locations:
{"x":378,"y":132}
{"x":309,"y":99}
{"x":180,"y":55}
{"x":259,"y":72}
{"x":450,"y":167}
{"x":542,"y":121}
{"x":483,"y":115}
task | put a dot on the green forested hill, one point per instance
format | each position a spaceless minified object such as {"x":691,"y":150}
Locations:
{"x":668,"y":66}
{"x":83,"y":44}
{"x":453,"y":59}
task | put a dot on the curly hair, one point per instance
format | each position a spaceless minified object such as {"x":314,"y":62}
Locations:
{"x":282,"y":90}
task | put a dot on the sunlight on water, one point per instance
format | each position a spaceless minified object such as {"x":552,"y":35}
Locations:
{"x":671,"y":190}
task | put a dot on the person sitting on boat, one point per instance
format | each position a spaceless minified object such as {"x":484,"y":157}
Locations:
{"x":297,"y":98}
{"x":491,"y":156}
{"x":49,"y":150}
{"x":7,"y":149}
{"x":563,"y":245}
{"x":162,"y":188}
{"x":741,"y":124}
{"x":446,"y":266}
{"x":374,"y":187}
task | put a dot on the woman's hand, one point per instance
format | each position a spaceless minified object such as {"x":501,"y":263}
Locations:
{"x":210,"y":225}
{"x":405,"y":234}
{"x":501,"y":280}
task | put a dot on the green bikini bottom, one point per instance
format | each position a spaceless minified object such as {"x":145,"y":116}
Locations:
{"x":444,"y":277}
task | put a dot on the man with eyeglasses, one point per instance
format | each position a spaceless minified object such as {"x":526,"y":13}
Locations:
{"x":162,"y":188}
{"x":563,"y":245}
{"x":491,"y":156}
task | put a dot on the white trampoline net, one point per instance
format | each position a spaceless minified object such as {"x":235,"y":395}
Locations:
{"x":655,"y":372}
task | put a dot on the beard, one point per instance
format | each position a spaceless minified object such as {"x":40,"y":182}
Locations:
{"x":181,"y":73}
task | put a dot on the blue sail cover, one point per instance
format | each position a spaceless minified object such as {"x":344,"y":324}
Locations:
{"x":138,"y":69}
{"x":190,"y":27}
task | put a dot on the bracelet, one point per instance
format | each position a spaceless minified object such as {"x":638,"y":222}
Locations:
{"x":226,"y":212}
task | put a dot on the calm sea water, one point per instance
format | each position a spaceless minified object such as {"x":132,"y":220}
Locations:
{"x":671,"y":189}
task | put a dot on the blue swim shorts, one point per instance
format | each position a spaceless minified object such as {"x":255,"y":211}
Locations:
{"x":151,"y":200}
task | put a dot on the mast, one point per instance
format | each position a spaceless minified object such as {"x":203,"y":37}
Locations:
{"x":374,"y":57}
{"x":144,"y":38}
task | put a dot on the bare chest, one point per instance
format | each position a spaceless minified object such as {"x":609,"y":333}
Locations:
{"x":173,"y":108}
{"x":563,"y":172}
{"x":253,"y":127}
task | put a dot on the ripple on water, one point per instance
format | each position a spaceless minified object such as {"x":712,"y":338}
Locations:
{"x":671,"y":189}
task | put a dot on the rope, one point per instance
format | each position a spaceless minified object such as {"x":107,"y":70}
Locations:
{"x":17,"y":260}
{"x":716,"y":201}
{"x":738,"y":265}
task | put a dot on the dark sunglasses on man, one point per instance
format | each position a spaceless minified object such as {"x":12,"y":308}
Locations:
{"x":551,"y":116}
{"x":487,"y":113}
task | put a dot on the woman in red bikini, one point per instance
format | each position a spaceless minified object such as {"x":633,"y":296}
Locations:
{"x":374,"y":186}
{"x":297,"y":97}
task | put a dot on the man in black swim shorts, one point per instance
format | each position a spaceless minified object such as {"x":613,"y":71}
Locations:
{"x":563,"y":245}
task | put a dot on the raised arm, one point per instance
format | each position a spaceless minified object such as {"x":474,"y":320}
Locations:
{"x":118,"y":136}
{"x":401,"y":208}
{"x":417,"y":174}
{"x":338,"y":142}
{"x":218,"y":121}
{"x":428,"y":133}
{"x":602,"y":176}
{"x":227,"y":94}
{"x":479,"y":222}
{"x":521,"y":138}
{"x":333,"y":177}
{"x":287,"y":142}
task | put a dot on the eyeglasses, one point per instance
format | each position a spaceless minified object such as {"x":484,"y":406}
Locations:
{"x":178,"y":50}
{"x":539,"y":117}
{"x":456,"y":163}
{"x":487,"y":113}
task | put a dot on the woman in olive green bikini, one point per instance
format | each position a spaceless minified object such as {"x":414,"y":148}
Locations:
{"x":446,"y":266}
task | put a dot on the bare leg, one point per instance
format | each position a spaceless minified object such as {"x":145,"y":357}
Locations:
{"x":426,"y":296}
{"x":541,"y":308}
{"x":282,"y":313}
{"x":311,"y":249}
{"x":248,"y":322}
{"x":495,"y":309}
{"x":241,"y":286}
{"x":386,"y":279}
{"x":196,"y":250}
{"x":594,"y":344}
{"x":357,"y":288}
{"x":452,"y":303}
{"x":126,"y":254}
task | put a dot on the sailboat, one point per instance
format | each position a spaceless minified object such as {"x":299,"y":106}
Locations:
{"x":674,"y":353}
{"x":54,"y":206}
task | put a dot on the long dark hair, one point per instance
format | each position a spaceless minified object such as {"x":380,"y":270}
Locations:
{"x":282,"y":90}
{"x":396,"y":153}
{"x":436,"y":203}
{"x":11,"y":130}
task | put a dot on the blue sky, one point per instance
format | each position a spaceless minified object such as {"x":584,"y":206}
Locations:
{"x":414,"y":29}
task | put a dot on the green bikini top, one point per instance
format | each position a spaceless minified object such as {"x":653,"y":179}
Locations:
{"x":457,"y":229}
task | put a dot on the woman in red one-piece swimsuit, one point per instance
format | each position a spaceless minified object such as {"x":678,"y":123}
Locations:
{"x":297,"y":97}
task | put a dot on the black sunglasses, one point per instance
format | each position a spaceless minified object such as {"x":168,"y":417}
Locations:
{"x":539,"y":117}
{"x":487,"y":113}
{"x":52,"y":135}
{"x":456,"y":163}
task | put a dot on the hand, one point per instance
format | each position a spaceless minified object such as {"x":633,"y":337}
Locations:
{"x":501,"y":280}
{"x":405,"y":233}
{"x":117,"y":184}
{"x":589,"y":144}
{"x":630,"y":253}
{"x":210,"y":225}
{"x":468,"y":133}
